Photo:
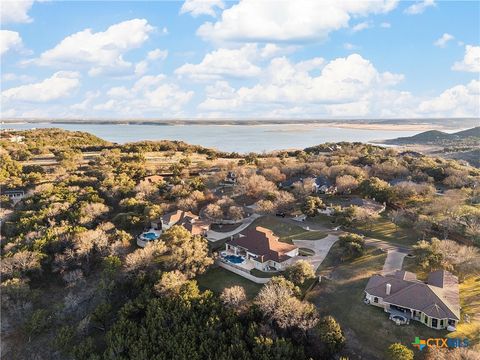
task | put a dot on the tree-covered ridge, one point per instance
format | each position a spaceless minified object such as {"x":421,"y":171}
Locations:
{"x":469,"y":136}
{"x":75,"y":284}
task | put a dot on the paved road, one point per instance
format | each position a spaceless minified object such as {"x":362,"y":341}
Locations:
{"x":216,"y":235}
{"x":320,"y":247}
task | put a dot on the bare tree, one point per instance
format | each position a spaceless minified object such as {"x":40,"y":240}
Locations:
{"x":233,"y":297}
{"x":346,"y":184}
{"x":143,"y":259}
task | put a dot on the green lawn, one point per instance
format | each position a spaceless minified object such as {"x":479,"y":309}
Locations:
{"x":286,"y":231}
{"x":216,"y":279}
{"x":384,"y":229}
{"x":368,"y":329}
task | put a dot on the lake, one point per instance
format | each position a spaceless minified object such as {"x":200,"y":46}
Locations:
{"x":239,"y":138}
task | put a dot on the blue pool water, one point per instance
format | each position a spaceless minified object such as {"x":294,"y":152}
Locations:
{"x":150,"y":236}
{"x":234,"y":259}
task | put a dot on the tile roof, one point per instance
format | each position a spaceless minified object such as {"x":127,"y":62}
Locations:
{"x":263,"y":243}
{"x":406,"y":291}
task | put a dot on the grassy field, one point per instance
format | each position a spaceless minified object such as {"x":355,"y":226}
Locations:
{"x":216,"y":279}
{"x":287,"y":231}
{"x":368,"y":330}
{"x":470,"y":305}
{"x":384,"y":229}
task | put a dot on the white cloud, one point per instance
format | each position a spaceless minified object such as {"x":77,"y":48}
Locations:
{"x":17,"y":77}
{"x":157,"y":54}
{"x":142,"y":66}
{"x":59,"y":85}
{"x":419,"y":7}
{"x":86,"y":104}
{"x":361,"y":26}
{"x":349,"y":46}
{"x":343,"y":85}
{"x":223,"y":63}
{"x":385,"y":25}
{"x":289,"y":21}
{"x":201,"y":7}
{"x":10,"y":40}
{"x":101,"y":51}
{"x":443,"y":40}
{"x":458,"y":101}
{"x":149,"y":94}
{"x":15,"y":11}
{"x":471,"y":60}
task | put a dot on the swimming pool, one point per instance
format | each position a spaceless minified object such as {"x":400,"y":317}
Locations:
{"x":234,"y":259}
{"x":150,"y":236}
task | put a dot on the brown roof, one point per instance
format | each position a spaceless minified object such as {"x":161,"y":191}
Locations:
{"x":406,"y":291}
{"x":442,"y":278}
{"x":194,"y":224}
{"x":176,"y":216}
{"x":153,"y":178}
{"x":263,"y":243}
{"x":188,"y":220}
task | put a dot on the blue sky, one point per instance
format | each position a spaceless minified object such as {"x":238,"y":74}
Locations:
{"x":246,"y":59}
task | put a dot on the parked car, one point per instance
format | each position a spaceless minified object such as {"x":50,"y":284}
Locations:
{"x":281,"y":214}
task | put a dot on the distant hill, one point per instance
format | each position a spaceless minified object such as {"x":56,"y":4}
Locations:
{"x":436,"y":137}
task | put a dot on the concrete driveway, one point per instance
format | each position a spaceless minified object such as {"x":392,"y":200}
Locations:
{"x":393,"y":262}
{"x":320,"y":247}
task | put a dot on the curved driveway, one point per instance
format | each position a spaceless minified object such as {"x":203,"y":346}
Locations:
{"x":320,"y":247}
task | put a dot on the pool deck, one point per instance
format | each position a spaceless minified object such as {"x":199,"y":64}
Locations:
{"x":247,"y":265}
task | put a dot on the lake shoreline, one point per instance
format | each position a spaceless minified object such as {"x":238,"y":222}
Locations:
{"x":300,"y":124}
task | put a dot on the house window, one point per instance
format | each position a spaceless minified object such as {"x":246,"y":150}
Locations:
{"x":434,"y":323}
{"x":442,"y":323}
{"x":375,"y":300}
{"x":426,"y":319}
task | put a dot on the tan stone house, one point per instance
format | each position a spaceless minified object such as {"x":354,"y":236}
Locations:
{"x":434,"y":303}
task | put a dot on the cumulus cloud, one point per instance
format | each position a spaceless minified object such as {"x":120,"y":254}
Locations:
{"x":149,"y":94}
{"x":443,"y":40}
{"x":201,"y":7}
{"x":10,"y":40}
{"x":471,"y":60}
{"x":361,"y":26}
{"x":419,"y":7}
{"x":265,"y":21}
{"x":101,"y":51}
{"x":15,"y":11}
{"x":157,"y":54}
{"x":224,"y":63}
{"x":59,"y":85}
{"x":458,"y":101}
{"x":343,"y":85}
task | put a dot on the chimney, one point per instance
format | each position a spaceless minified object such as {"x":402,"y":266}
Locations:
{"x":388,"y":288}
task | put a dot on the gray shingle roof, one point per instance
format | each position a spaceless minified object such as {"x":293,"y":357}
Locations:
{"x":430,"y":298}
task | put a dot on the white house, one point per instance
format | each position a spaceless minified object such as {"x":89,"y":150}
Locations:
{"x":262,"y":248}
